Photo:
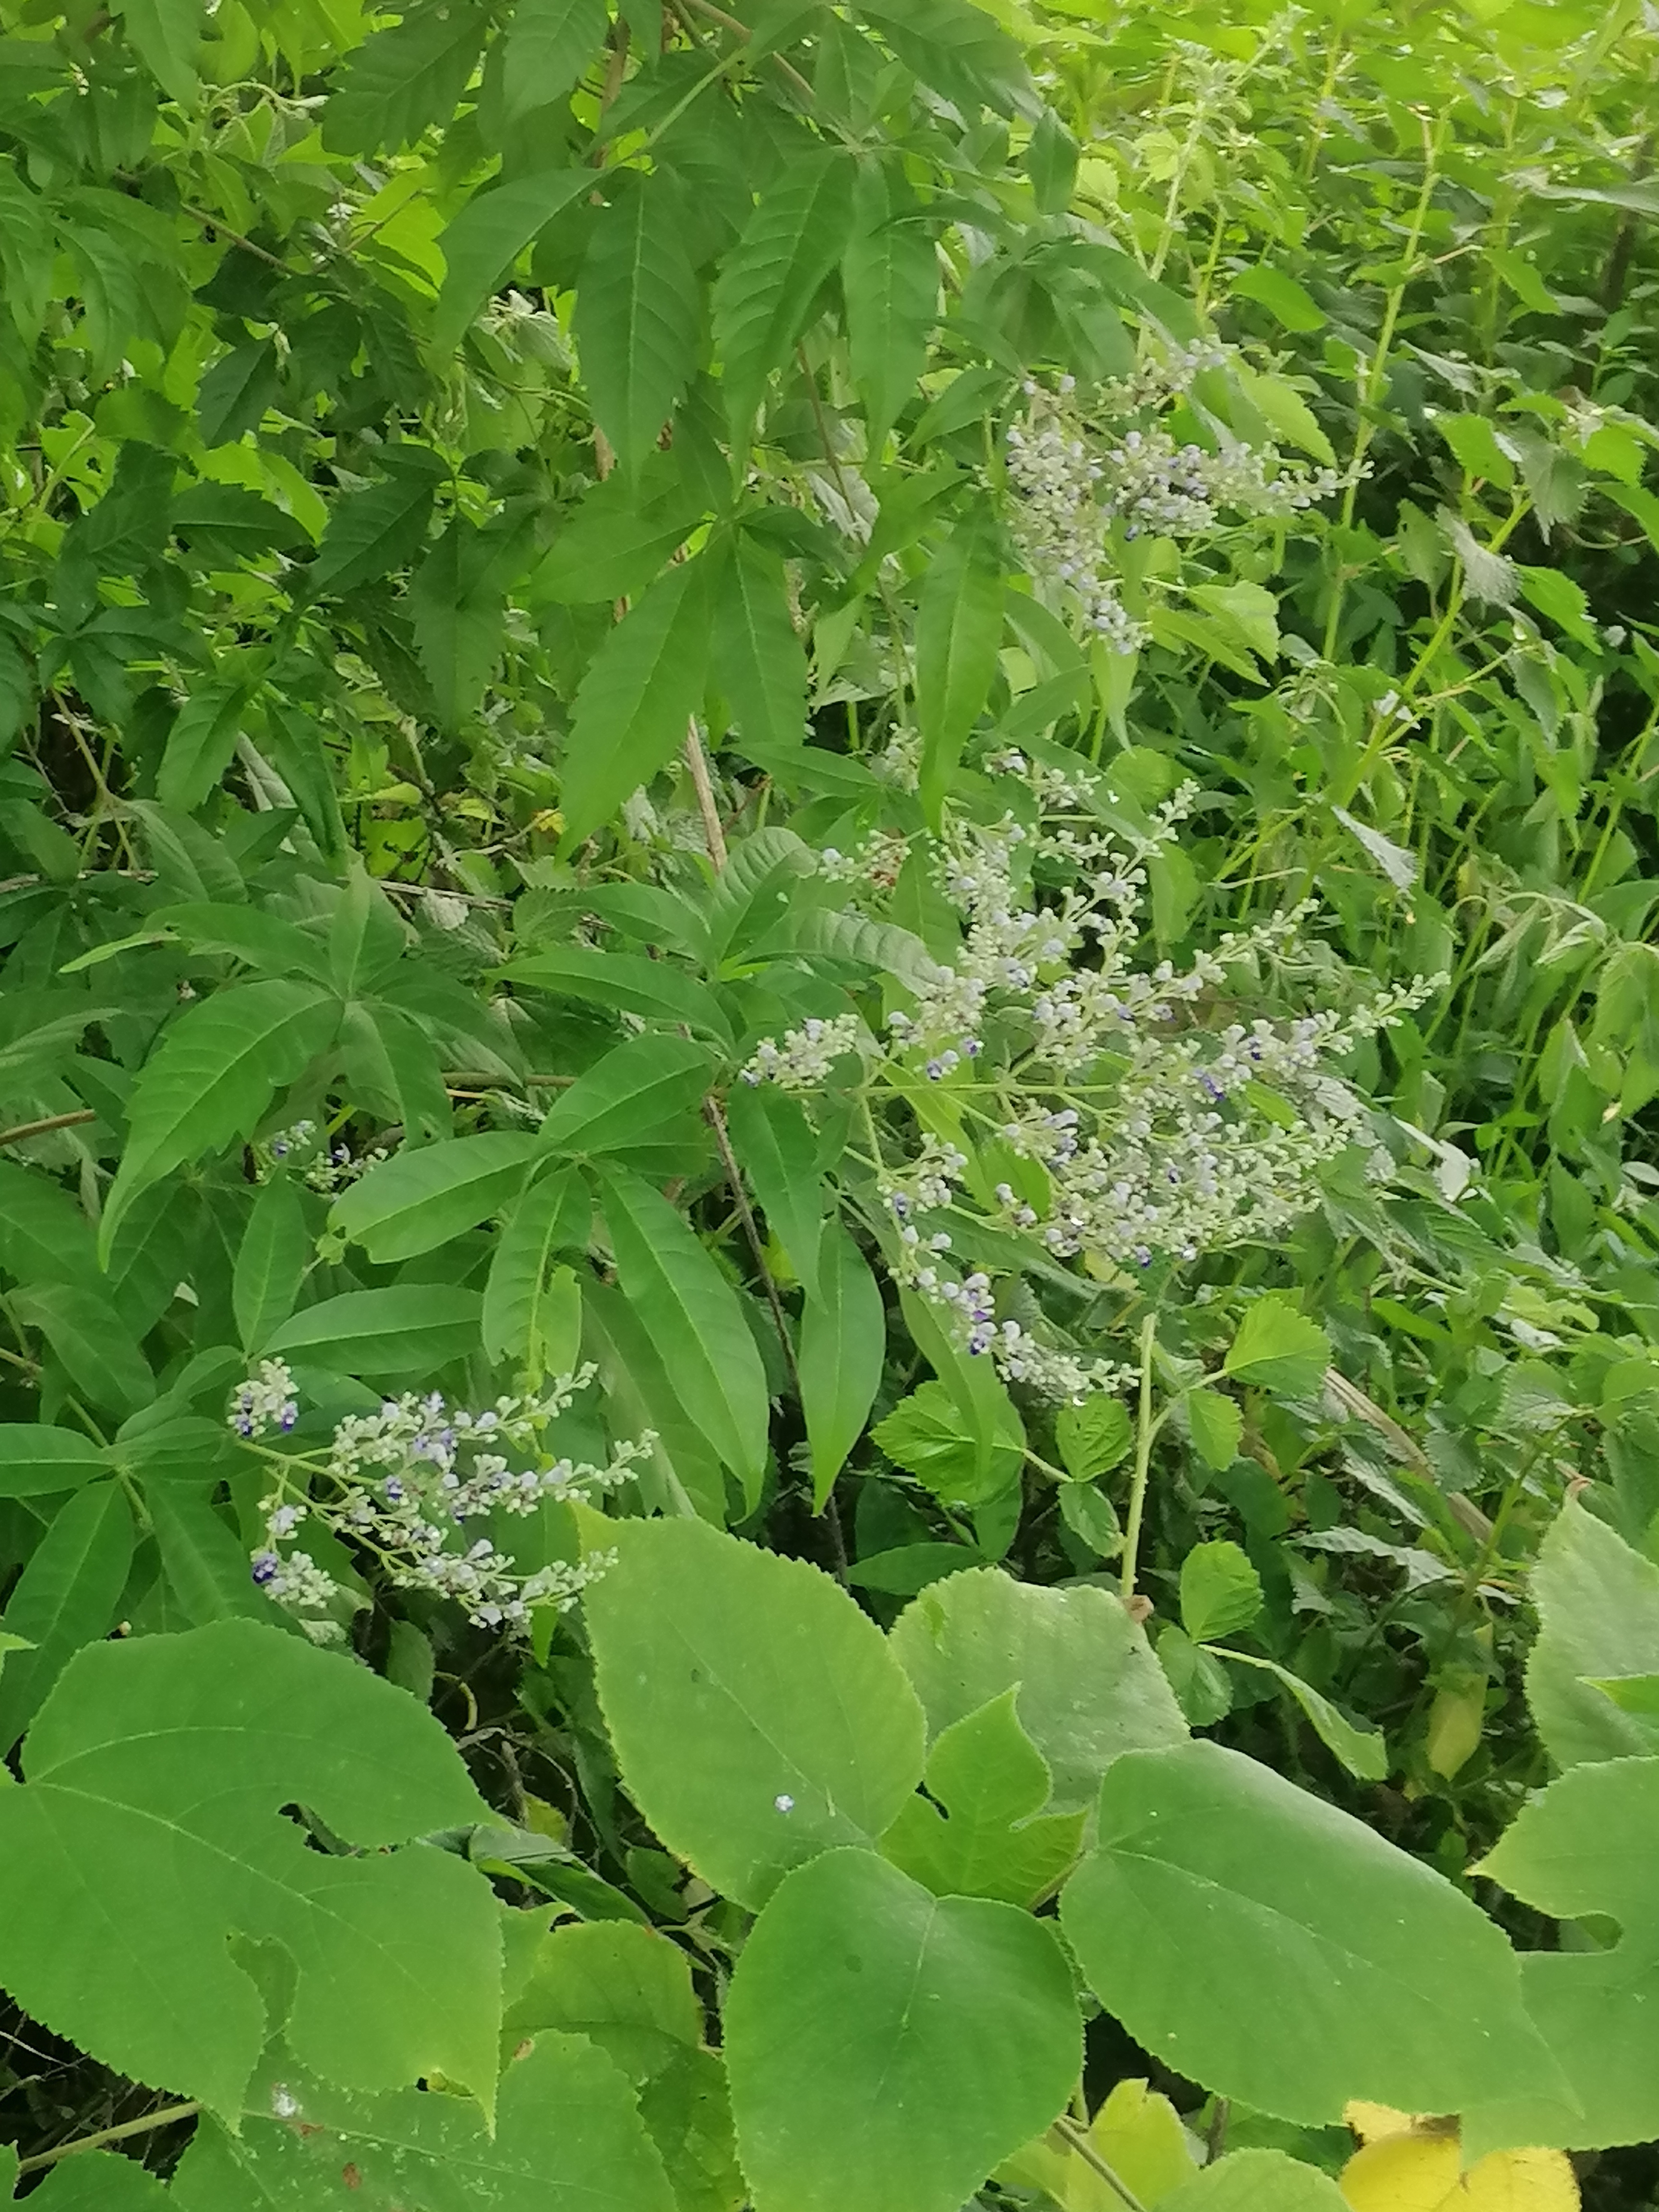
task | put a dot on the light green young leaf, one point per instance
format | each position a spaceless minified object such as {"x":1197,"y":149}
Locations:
{"x":1598,"y":1607}
{"x":635,"y":702}
{"x":713,"y":1658}
{"x":890,"y":278}
{"x":770,"y":278}
{"x":416,"y":1200}
{"x":690,"y":1314}
{"x":37,"y":1460}
{"x":958,"y":635}
{"x":554,"y":1215}
{"x":1363,"y":1750}
{"x":548,"y":43}
{"x":1397,"y":862}
{"x":1215,"y":1423}
{"x":633,"y":1097}
{"x":759,"y":662}
{"x":97,"y":2181}
{"x":404,"y":1329}
{"x":397,"y":1957}
{"x":1220,"y":1590}
{"x":992,"y":1837}
{"x":1288,"y":302}
{"x":637,"y":313}
{"x":843,"y":1344}
{"x":1093,"y":1438}
{"x":212,"y":1078}
{"x":1257,"y":2181}
{"x":168,"y":37}
{"x":65,"y":1598}
{"x":886,"y":2048}
{"x":927,"y":1435}
{"x":568,"y":2137}
{"x":777,"y":1150}
{"x":1257,"y":1940}
{"x":1089,"y":1687}
{"x":1277,"y":1348}
{"x":1474,"y":441}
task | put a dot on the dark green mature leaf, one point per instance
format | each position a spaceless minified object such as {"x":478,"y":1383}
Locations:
{"x":567,"y":2136}
{"x":637,"y":314}
{"x":460,"y":623}
{"x":99,"y":2181}
{"x":887,"y":2048}
{"x":889,"y":274}
{"x":401,"y":81}
{"x":397,"y":1957}
{"x":84,"y":1328}
{"x":624,"y":981}
{"x":843,"y":1345}
{"x":760,"y":663}
{"x":167,"y":34}
{"x":37,"y":1460}
{"x":713,"y":1657}
{"x":777,"y":1149}
{"x":613,"y":544}
{"x":43,"y":1232}
{"x":632,"y":1097}
{"x":212,"y":1078}
{"x":1259,"y":1940}
{"x":235,"y":395}
{"x":690,"y":1313}
{"x":204,"y":1558}
{"x":224,"y":525}
{"x":635,"y":702}
{"x":418,"y":1200}
{"x":554,"y":1215}
{"x":65,"y":1598}
{"x":201,"y":744}
{"x":372,"y":532}
{"x":405,"y":1329}
{"x":957,"y":48}
{"x":770,"y":279}
{"x":487,"y":237}
{"x":958,"y":633}
{"x":549,"y":44}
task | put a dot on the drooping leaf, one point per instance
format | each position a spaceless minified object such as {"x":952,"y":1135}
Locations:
{"x":200,"y":745}
{"x":554,"y":1214}
{"x":843,"y":1344}
{"x":889,"y":274}
{"x":212,"y":1078}
{"x":1363,"y":1750}
{"x":397,"y":1956}
{"x":759,"y":662}
{"x":1259,"y":1940}
{"x":418,"y":1200}
{"x":690,"y":1313}
{"x":957,"y":48}
{"x":636,"y":318}
{"x":634,"y":704}
{"x":777,"y":1150}
{"x":959,"y":634}
{"x":712,"y":1661}
{"x":887,"y":2048}
{"x":371,"y":532}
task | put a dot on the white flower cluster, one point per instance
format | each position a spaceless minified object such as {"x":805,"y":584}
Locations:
{"x":1061,"y":527}
{"x":401,"y":1483}
{"x":874,"y":865}
{"x":1148,"y":483}
{"x":319,"y":1165}
{"x":806,"y":1056}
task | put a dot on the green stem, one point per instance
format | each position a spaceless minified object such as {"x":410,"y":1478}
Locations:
{"x":1076,"y":2139}
{"x":1144,"y":1432}
{"x":164,"y":2118}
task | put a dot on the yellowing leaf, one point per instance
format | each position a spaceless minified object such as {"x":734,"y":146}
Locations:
{"x":1411,"y":2172}
{"x":1140,"y":2135}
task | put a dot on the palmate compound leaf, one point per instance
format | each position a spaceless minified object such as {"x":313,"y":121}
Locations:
{"x":148,"y":1831}
{"x":1270,"y":1946}
{"x":1089,"y":1687}
{"x":567,"y":2138}
{"x":757,"y":1715}
{"x":1586,"y":1847}
{"x":887,"y":2048}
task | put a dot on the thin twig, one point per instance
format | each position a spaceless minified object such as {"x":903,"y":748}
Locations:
{"x":164,"y":2118}
{"x":21,"y":1130}
{"x":697,"y":761}
{"x":1076,"y":2138}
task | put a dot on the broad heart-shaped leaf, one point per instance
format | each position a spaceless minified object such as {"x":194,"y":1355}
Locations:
{"x":96,"y":2181}
{"x":567,"y":2138}
{"x":1089,"y":1686}
{"x":1220,"y":1590}
{"x":554,"y":1215}
{"x":690,"y":1313}
{"x":887,"y":2048}
{"x":634,"y":704}
{"x":777,"y":1149}
{"x":65,"y":1598}
{"x":756,"y":1712}
{"x":418,"y":1200}
{"x":1278,"y":1347}
{"x":1598,"y":1607}
{"x":890,"y":277}
{"x":488,"y":236}
{"x":212,"y":1077}
{"x":1271,"y":2181}
{"x":843,"y":1343}
{"x":633,"y":1097}
{"x":958,"y":635}
{"x":1268,"y":1945}
{"x":992,"y":1838}
{"x":1585,"y":1847}
{"x":549,"y":44}
{"x":149,"y":1830}
{"x":405,"y":1329}
{"x":771,"y":276}
{"x":36,"y":1460}
{"x":629,"y":1989}
{"x":1409,"y":2171}
{"x":636,"y":318}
